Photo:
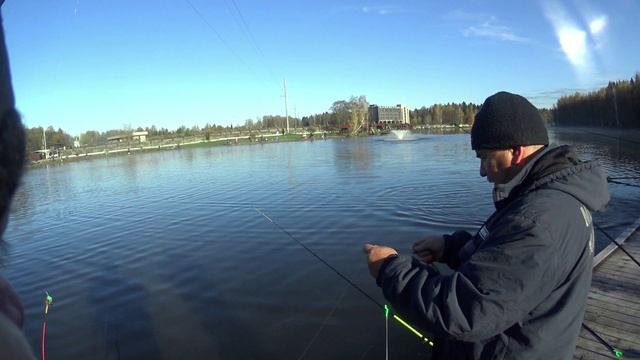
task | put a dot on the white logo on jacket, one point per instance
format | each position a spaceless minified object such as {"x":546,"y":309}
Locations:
{"x":586,"y":214}
{"x":483,"y":233}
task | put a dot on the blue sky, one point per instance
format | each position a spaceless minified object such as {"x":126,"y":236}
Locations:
{"x":82,"y":65}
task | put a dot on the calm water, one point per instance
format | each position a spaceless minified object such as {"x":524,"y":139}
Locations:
{"x":163,"y":255}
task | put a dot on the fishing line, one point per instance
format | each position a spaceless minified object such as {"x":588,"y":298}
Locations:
{"x":324,"y":323}
{"x":622,"y":183}
{"x":383,"y":307}
{"x":623,"y":178}
{"x":322,"y":260}
{"x":617,"y":243}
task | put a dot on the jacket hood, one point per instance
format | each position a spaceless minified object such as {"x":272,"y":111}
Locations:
{"x":560,"y":169}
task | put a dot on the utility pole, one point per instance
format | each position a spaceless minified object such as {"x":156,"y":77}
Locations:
{"x":44,"y":143}
{"x":286,"y":108}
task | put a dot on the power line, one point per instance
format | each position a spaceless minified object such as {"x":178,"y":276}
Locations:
{"x":252,"y":39}
{"x":222,"y":40}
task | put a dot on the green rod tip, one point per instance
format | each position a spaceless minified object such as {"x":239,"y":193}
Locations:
{"x":617,"y":353}
{"x":386,"y":310}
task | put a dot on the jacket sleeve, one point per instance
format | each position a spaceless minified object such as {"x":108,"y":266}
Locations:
{"x":452,"y":245}
{"x":510,"y":273}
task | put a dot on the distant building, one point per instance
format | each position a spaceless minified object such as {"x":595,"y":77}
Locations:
{"x":141,"y":136}
{"x":76,"y":142}
{"x":398,"y":115}
{"x":138,"y":136}
{"x":118,"y":138}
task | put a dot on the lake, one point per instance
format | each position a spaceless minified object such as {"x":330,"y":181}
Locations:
{"x":163,"y":255}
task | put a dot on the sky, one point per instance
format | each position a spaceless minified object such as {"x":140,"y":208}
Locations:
{"x":86,"y":65}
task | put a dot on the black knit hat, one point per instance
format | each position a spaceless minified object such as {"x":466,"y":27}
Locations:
{"x":506,"y":120}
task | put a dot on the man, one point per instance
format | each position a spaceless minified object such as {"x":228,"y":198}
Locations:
{"x":519,"y":286}
{"x":13,"y":345}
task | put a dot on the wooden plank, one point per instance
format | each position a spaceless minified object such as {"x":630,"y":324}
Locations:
{"x":595,"y":313}
{"x":632,"y":274}
{"x":614,"y":324}
{"x":613,"y":304}
{"x":615,"y":336}
{"x":619,"y":292}
{"x":631,"y":315}
{"x":627,"y":289}
{"x":620,"y":278}
{"x":587,"y":342}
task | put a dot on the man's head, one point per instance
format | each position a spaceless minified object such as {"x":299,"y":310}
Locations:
{"x":506,"y":131}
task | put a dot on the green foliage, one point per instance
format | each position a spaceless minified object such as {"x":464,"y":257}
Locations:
{"x":353,"y":112}
{"x":54,"y":138}
{"x":449,"y":114}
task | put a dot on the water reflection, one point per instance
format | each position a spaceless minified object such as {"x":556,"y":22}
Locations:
{"x":351,"y":157}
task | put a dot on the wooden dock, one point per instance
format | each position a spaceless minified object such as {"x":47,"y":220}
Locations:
{"x":613,"y":306}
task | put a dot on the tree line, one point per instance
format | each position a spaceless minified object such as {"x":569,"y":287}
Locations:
{"x":616,"y":105}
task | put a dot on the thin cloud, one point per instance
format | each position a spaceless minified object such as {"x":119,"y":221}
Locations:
{"x":483,"y":25}
{"x":492,"y":30}
{"x":383,"y":9}
{"x":548,"y":98}
{"x":461,"y":15}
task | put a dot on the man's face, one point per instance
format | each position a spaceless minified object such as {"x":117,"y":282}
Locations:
{"x":496,"y":165}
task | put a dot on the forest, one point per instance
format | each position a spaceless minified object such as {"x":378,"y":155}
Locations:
{"x":616,"y":105}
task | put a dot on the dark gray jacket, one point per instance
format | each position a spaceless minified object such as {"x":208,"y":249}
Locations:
{"x":520,"y":284}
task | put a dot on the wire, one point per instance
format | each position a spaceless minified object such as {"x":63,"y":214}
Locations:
{"x":225,"y":43}
{"x":243,"y":25}
{"x":621,"y":183}
{"x":322,"y":260}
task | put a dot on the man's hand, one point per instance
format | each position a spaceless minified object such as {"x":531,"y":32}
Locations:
{"x":10,"y":305}
{"x":429,"y":249}
{"x":376,"y":256}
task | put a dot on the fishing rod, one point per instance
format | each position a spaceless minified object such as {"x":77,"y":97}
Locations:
{"x":617,"y":243}
{"x":383,"y":307}
{"x":48,"y":300}
{"x":617,"y":353}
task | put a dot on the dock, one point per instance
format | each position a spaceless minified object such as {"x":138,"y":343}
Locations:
{"x":613,"y":305}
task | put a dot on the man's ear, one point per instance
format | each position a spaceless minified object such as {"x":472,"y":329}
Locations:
{"x":518,"y":155}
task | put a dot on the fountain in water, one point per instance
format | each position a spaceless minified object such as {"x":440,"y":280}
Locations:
{"x":401,"y":135}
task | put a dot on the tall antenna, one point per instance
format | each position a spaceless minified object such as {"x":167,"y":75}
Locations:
{"x":286,"y":108}
{"x":44,"y":143}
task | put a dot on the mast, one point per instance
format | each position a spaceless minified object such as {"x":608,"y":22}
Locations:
{"x":44,"y":143}
{"x":286,"y":108}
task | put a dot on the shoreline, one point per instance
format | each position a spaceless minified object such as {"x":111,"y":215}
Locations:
{"x":73,"y":155}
